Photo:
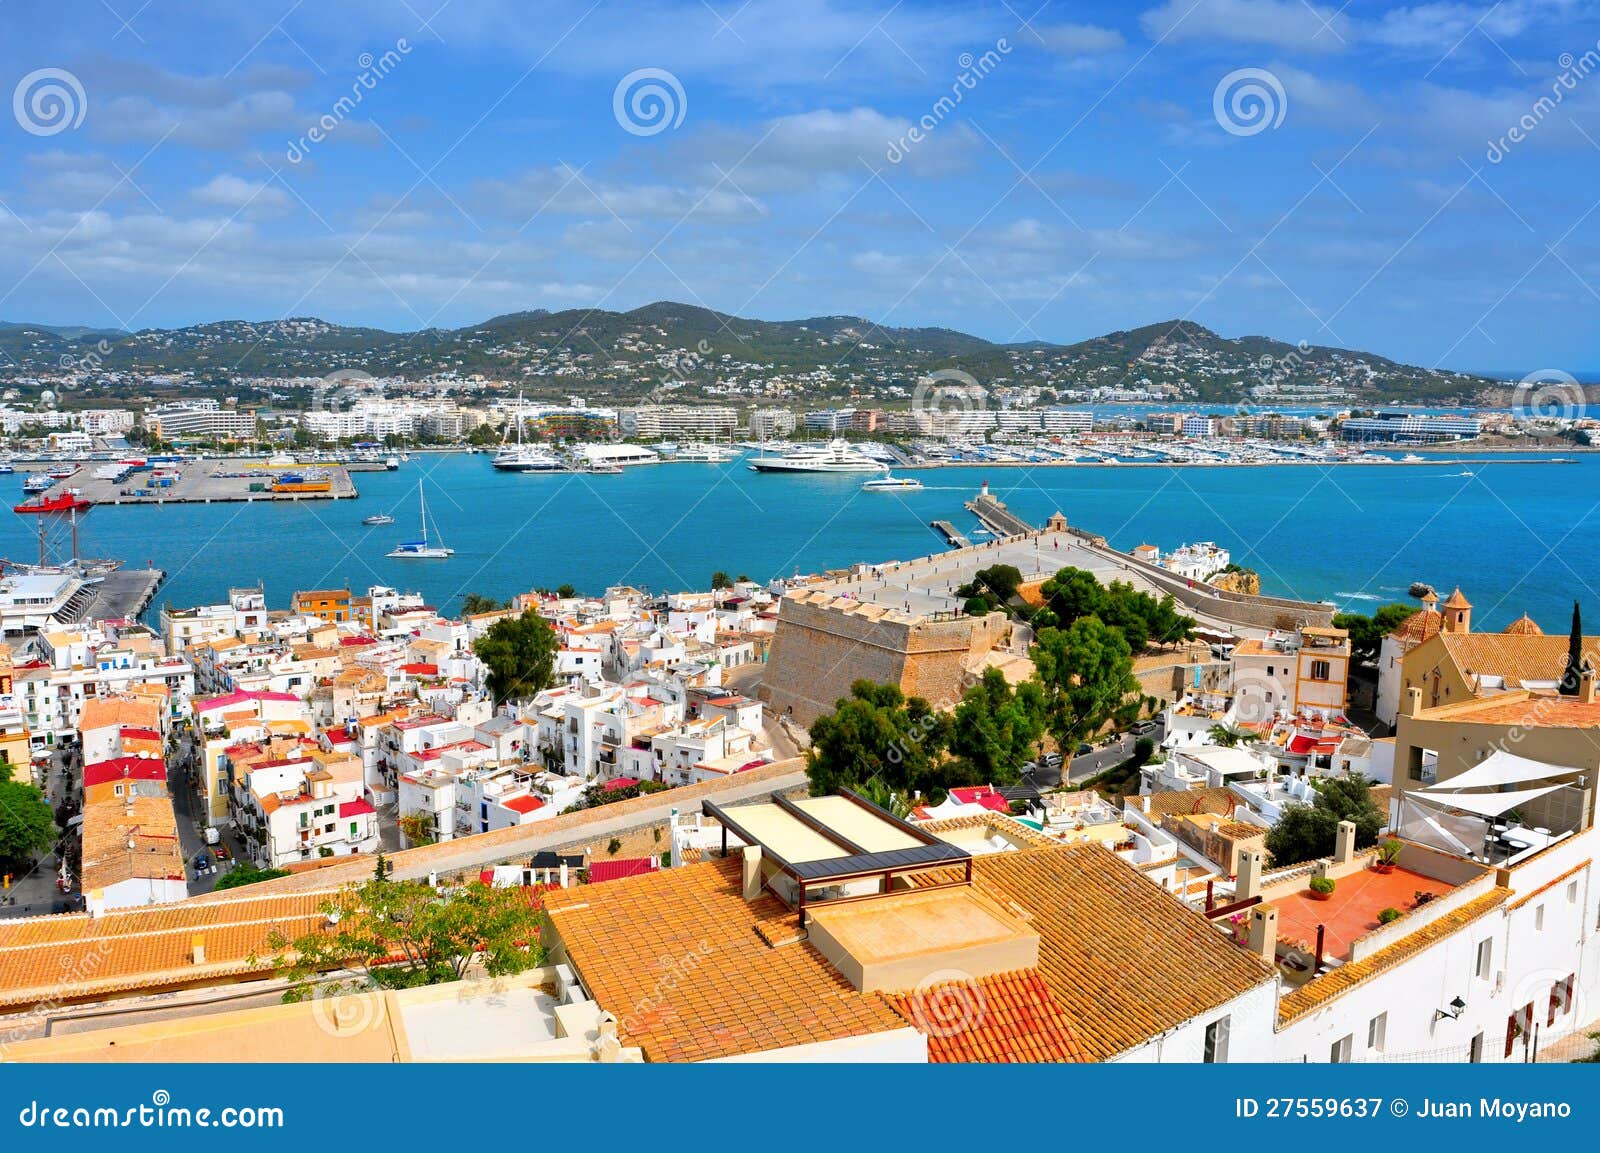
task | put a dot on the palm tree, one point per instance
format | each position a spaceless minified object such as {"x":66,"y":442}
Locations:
{"x":1228,"y":735}
{"x":875,"y":791}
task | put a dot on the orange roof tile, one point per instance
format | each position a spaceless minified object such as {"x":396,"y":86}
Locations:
{"x":1002,"y":1019}
{"x":1524,"y":626}
{"x":1125,"y":959}
{"x":676,"y":955}
{"x":1456,"y":601}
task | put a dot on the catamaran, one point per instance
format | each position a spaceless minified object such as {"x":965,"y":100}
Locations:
{"x":421,"y":549}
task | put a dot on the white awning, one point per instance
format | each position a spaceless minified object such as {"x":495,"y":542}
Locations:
{"x":1484,"y":804}
{"x":1503,"y":768}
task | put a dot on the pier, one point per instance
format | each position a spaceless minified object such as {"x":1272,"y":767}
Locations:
{"x":995,"y":517}
{"x":948,"y":531}
{"x":123,"y":594}
{"x":212,"y":482}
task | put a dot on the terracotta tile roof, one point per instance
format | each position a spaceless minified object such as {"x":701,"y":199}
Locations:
{"x":1010,"y":826}
{"x":1124,"y":959}
{"x":1418,"y":627}
{"x":1516,"y":657}
{"x":1220,"y":802}
{"x":130,"y":837}
{"x":102,"y":712}
{"x":1316,"y":993}
{"x":1524,"y":626}
{"x":1456,"y":601}
{"x":1528,"y":710}
{"x":675,"y":955}
{"x":1008,"y":1018}
{"x":143,"y":948}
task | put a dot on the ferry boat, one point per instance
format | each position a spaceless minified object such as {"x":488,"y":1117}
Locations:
{"x":421,"y":549}
{"x":64,"y":471}
{"x":892,"y":484}
{"x":37,"y":482}
{"x":837,"y":456}
{"x":391,"y":464}
{"x":7,"y":468}
{"x":377,"y":519}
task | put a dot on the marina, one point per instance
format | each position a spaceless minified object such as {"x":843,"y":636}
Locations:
{"x":134,"y":482}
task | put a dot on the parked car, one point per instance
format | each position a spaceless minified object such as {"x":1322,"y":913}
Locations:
{"x":221,"y":851}
{"x":1085,"y":748}
{"x":1142,"y":728}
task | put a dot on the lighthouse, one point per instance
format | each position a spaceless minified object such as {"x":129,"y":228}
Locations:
{"x":983,"y":493}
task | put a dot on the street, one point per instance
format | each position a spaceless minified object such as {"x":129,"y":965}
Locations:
{"x":1104,"y":757}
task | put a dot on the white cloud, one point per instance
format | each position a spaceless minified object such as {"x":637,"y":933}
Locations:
{"x":239,"y":195}
{"x":1296,"y":24}
{"x":1080,"y":39}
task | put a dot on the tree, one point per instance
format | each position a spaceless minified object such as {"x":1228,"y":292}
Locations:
{"x":876,"y":792}
{"x":520,"y":654}
{"x":996,"y":728}
{"x":1143,"y":620}
{"x":247,"y":875}
{"x":435,"y":933}
{"x":474,"y":603}
{"x":1074,"y":593}
{"x":1227,"y":736}
{"x":26,"y":826}
{"x":996,"y":584}
{"x":417,"y":828}
{"x":1572,"y":674}
{"x":1367,"y":633}
{"x":876,"y":732}
{"x":1306,"y":832}
{"x":1087,"y":671}
{"x":721,"y":580}
{"x":566,"y":592}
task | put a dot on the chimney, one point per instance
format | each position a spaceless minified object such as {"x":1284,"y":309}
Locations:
{"x":1248,"y":883}
{"x":197,"y":946}
{"x":1344,"y":844}
{"x":1413,"y":703}
{"x":1263,"y":938}
{"x":751,"y":872}
{"x":1586,"y":685}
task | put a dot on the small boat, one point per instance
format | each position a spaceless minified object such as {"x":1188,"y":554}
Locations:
{"x":64,"y":471}
{"x":1411,"y":458}
{"x":6,"y":469}
{"x":892,"y":484}
{"x":38,"y":482}
{"x":390,"y":464}
{"x":421,"y":549}
{"x":376,"y":519}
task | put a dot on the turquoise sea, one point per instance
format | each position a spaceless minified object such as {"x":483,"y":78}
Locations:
{"x":1515,"y":536}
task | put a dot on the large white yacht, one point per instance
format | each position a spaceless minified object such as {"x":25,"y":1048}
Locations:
{"x":837,"y":456}
{"x":514,"y":456}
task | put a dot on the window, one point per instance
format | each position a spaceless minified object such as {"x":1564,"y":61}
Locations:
{"x":1518,"y":1025}
{"x":1376,"y":1029}
{"x":354,"y":830}
{"x":1216,"y":1051}
{"x":1538,"y":919}
{"x":1485,"y":958}
{"x":1572,"y":892}
{"x":1560,"y":998}
{"x":1320,"y":670}
{"x":1339,"y":1054}
{"x":1475,"y":1050}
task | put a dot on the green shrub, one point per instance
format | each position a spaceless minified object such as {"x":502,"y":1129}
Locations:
{"x":1388,"y":915}
{"x":1321,"y":884}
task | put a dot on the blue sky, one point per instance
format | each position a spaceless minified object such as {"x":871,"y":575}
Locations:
{"x":160,"y":166}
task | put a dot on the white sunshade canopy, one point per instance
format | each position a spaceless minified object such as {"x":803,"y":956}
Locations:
{"x":1501,"y":768}
{"x":1483,"y":804}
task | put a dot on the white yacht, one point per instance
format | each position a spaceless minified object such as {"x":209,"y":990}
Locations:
{"x":705,"y":454}
{"x":837,"y":456}
{"x":421,"y":548}
{"x":519,"y":457}
{"x":892,"y":484}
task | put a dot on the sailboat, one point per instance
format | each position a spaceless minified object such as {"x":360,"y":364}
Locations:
{"x":421,"y":549}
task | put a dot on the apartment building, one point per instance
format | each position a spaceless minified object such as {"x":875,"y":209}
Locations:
{"x":1305,"y":671}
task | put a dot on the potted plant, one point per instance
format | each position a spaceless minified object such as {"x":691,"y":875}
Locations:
{"x":1321,"y":888}
{"x":1388,"y":856}
{"x":1388,"y":915}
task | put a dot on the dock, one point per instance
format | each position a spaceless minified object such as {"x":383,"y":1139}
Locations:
{"x":995,"y":517}
{"x":211,"y":482}
{"x":123,"y":594}
{"x":948,"y":531}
